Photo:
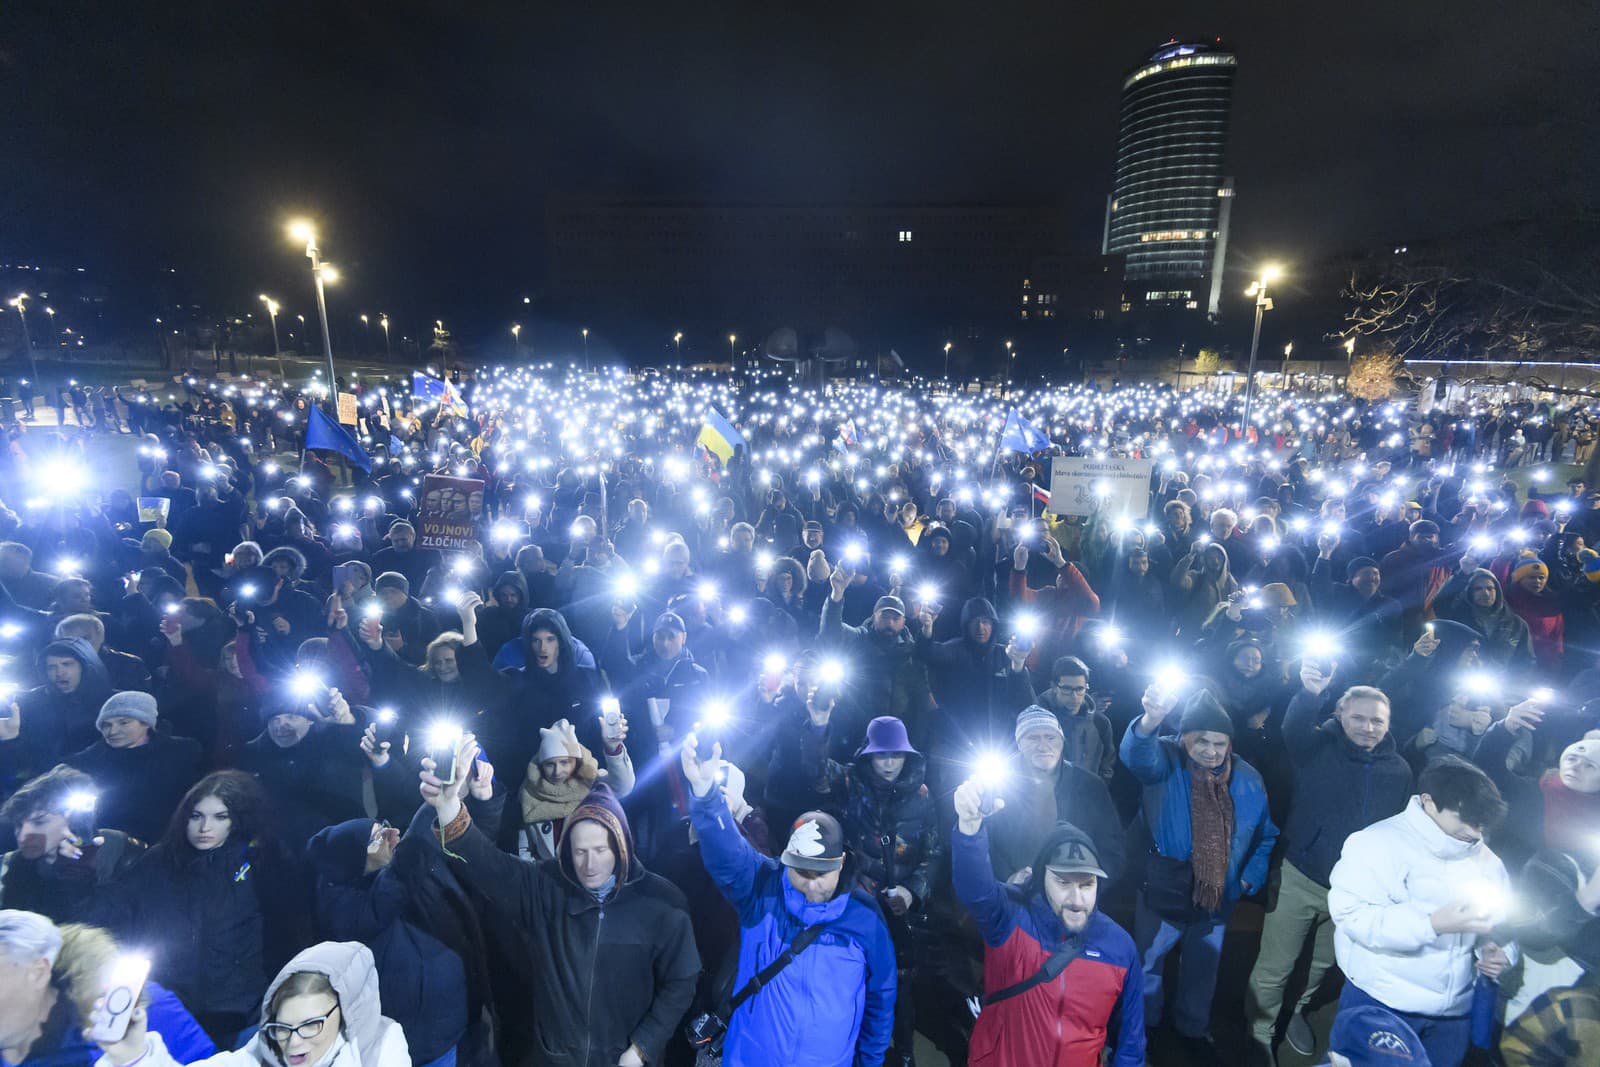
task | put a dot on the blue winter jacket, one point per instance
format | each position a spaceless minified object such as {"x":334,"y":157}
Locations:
{"x":834,"y":1005}
{"x":1159,"y":763}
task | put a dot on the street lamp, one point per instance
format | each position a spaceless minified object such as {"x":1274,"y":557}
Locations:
{"x":52,"y":313}
{"x":586,"y":350}
{"x":947,"y":361}
{"x":731,"y":338}
{"x":516,"y":336}
{"x":20,"y":302}
{"x":1258,"y":289}
{"x":320,"y":274}
{"x":677,"y":341}
{"x":272,"y":312}
{"x":383,"y":320}
{"x":1011,"y":364}
{"x":366,"y":332}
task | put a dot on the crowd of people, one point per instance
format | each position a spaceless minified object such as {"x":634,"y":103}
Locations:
{"x":748,"y":722}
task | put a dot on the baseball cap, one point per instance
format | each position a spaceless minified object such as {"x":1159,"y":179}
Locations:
{"x":813,"y":524}
{"x":1374,"y":1036}
{"x":1073,"y":853}
{"x":890,"y":603}
{"x":669,"y":620}
{"x":816,"y":844}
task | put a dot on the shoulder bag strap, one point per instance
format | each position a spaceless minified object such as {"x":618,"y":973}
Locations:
{"x":771,"y":970}
{"x":1048,"y":971}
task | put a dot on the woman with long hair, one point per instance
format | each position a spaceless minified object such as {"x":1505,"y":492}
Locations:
{"x":220,"y":903}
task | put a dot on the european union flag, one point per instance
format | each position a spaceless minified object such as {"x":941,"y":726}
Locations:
{"x":1020,"y":435}
{"x":425,"y":388}
{"x":322,"y":432}
{"x":719,"y":436}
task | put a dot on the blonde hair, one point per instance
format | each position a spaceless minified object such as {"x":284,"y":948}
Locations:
{"x":80,"y":968}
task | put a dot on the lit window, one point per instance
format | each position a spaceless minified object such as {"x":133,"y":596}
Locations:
{"x":905,"y":236}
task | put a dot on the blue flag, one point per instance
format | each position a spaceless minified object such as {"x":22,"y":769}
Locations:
{"x":322,"y":432}
{"x":428,"y":389}
{"x":1020,"y":435}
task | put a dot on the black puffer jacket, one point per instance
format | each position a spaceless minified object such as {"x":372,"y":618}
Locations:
{"x":887,"y":677}
{"x":892,"y":827}
{"x":604,"y":973}
{"x":218,"y":924}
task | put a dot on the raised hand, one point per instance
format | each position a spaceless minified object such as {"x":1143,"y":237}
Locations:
{"x":701,"y":774}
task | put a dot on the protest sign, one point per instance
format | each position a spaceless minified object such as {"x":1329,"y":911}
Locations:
{"x":446,"y":517}
{"x":1120,"y":486}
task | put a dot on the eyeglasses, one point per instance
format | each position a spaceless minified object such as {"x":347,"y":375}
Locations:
{"x":306,"y":1031}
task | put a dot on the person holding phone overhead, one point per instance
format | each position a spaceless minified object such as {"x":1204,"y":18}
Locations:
{"x":322,"y":1010}
{"x":611,"y":948}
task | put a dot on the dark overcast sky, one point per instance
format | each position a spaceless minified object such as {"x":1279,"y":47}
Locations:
{"x":426,"y":136}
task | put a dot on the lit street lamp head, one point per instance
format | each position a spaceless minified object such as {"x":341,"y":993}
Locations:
{"x":330,"y":273}
{"x":301,"y":230}
{"x":1271,"y":273}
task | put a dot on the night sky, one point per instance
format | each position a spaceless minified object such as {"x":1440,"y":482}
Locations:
{"x":425,"y":137}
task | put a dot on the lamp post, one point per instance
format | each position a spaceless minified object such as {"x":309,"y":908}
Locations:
{"x":366,"y":332}
{"x":586,"y":350}
{"x":516,"y":337}
{"x":1284,"y":373}
{"x":947,"y":361}
{"x":383,"y":320}
{"x":52,"y":313}
{"x":677,"y":343}
{"x":731,"y":338}
{"x":1258,"y":289}
{"x":1011,"y":366}
{"x":272,"y":313}
{"x":320,"y":274}
{"x":20,"y":302}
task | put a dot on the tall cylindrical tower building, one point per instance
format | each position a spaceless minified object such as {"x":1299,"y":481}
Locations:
{"x":1169,"y":206}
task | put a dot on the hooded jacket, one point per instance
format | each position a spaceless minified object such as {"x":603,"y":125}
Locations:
{"x":1382,"y":893}
{"x":1506,"y":640}
{"x":64,"y":722}
{"x":368,"y":1037}
{"x":1195,"y":603}
{"x":1339,"y":787}
{"x":1162,"y":766}
{"x":1064,"y":1023}
{"x":1419,"y":686}
{"x":500,"y":622}
{"x":538,"y":698}
{"x":977,"y":691}
{"x":423,"y":979}
{"x":833,"y":1006}
{"x":604,"y":973}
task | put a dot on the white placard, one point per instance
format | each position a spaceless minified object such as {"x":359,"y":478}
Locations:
{"x":1121,"y":485}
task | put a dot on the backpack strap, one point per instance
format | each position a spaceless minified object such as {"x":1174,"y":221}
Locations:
{"x":1048,"y":971}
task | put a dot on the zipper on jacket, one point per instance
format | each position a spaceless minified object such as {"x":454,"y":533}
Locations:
{"x":588,"y":1003}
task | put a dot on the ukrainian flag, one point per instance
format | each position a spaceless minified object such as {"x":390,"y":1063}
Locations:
{"x":719,"y":436}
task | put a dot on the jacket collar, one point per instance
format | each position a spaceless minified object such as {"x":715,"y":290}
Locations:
{"x":1436,"y":841}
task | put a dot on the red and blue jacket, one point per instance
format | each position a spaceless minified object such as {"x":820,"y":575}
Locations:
{"x":1063,"y":1023}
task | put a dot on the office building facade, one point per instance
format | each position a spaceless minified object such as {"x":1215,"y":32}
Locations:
{"x":1169,"y":209}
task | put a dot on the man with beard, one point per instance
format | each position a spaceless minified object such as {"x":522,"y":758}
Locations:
{"x":1055,"y":968}
{"x":51,"y":872}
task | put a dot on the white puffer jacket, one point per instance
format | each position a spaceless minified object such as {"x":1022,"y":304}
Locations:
{"x":1390,"y":879}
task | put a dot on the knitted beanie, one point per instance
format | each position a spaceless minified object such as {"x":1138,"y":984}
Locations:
{"x":1034,"y":717}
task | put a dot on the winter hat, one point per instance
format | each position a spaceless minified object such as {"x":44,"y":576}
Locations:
{"x":156,"y":541}
{"x":1359,"y":564}
{"x":1535,"y":507}
{"x":1528,"y":564}
{"x":1202,"y":712}
{"x":1374,"y":1036}
{"x":816,"y":844}
{"x":601,"y":806}
{"x":131,"y":704}
{"x":557,"y":741}
{"x":886,"y":735}
{"x":1034,"y":717}
{"x":669,"y":620}
{"x":392,"y":580}
{"x":1589,"y":560}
